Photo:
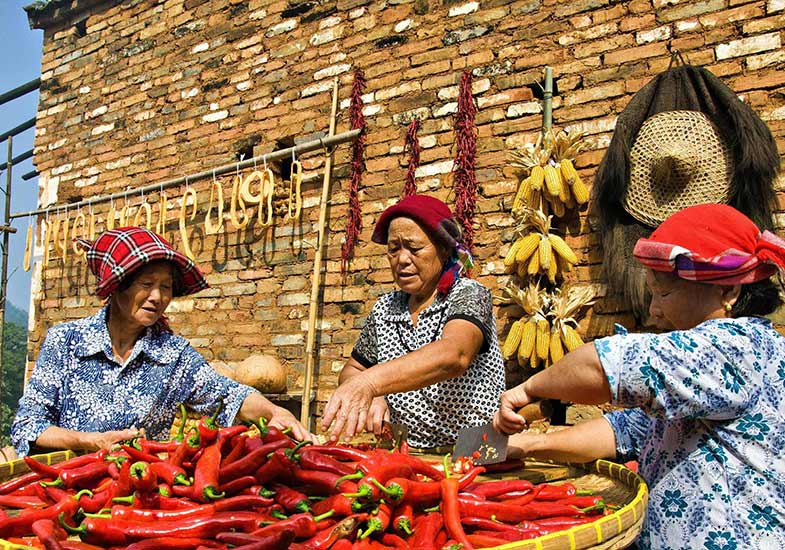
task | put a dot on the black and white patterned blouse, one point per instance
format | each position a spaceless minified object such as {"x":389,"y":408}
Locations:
{"x":434,"y":414}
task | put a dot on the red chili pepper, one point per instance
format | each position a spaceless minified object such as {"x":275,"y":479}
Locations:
{"x":426,"y":532}
{"x":17,"y":483}
{"x":587,"y":501}
{"x":137,"y":455}
{"x":485,"y":541}
{"x":169,"y":473}
{"x":341,"y":452}
{"x":275,"y":467}
{"x":343,"y":506}
{"x":271,"y":433}
{"x":521,"y":500}
{"x":206,"y":474}
{"x":208,"y":427}
{"x":374,"y":473}
{"x":230,"y":432}
{"x":557,"y":523}
{"x":237,"y":485}
{"x":490,"y":489}
{"x":49,"y":533}
{"x":301,"y":525}
{"x":22,"y":501}
{"x":424,"y":493}
{"x":403,"y":519}
{"x":513,"y":514}
{"x":319,"y":482}
{"x":292,"y":500}
{"x":379,"y":521}
{"x":394,"y":541}
{"x":155,"y":447}
{"x":250,"y":463}
{"x":332,"y":537}
{"x":314,"y":460}
{"x":22,"y":524}
{"x":451,"y":511}
{"x":237,"y":449}
{"x":275,"y":541}
{"x":80,"y":476}
{"x":558,"y":492}
{"x":142,"y":477}
{"x":493,"y":525}
{"x":44,"y":470}
{"x":113,"y":532}
{"x":184,"y":451}
{"x":172,"y":543}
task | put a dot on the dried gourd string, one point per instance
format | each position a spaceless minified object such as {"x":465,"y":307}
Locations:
{"x":465,"y":183}
{"x":357,"y":121}
{"x":412,"y":144}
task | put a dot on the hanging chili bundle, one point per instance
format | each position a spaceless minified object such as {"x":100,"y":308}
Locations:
{"x":464,"y":181}
{"x":412,"y":145}
{"x":357,"y":121}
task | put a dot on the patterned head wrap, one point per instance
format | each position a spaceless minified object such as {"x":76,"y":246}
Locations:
{"x":436,"y":218}
{"x":118,"y":253}
{"x":712,"y":243}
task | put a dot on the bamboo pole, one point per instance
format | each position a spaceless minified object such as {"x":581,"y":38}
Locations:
{"x":305,"y":411}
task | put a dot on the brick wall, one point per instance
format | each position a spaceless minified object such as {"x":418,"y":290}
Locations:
{"x":143,"y":91}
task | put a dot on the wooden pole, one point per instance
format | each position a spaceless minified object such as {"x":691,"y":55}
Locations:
{"x":305,"y":411}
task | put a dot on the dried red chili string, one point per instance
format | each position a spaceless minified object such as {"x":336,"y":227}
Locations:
{"x":357,"y":120}
{"x":464,"y":181}
{"x":412,"y":145}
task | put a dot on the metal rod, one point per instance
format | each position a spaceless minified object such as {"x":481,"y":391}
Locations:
{"x":19,"y":129}
{"x":16,"y":160}
{"x":547,"y":96}
{"x":321,"y":143}
{"x":20,"y":91}
{"x":30,"y":175}
{"x":305,"y":409}
{"x":4,"y":268}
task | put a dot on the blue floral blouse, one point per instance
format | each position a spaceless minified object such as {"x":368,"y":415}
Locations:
{"x":710,"y":442}
{"x":78,"y":384}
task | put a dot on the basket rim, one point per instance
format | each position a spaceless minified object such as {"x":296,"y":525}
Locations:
{"x":600,"y":466}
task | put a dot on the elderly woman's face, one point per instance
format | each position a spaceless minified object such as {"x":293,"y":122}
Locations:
{"x":677,"y":304}
{"x":146,"y":300}
{"x":415,"y":260}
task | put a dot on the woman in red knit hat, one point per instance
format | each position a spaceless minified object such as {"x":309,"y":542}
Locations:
{"x":103,"y":378}
{"x":706,"y":412}
{"x":428,"y":355}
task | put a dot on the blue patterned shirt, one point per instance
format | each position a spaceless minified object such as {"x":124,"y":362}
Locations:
{"x":710,"y":442}
{"x":78,"y":384}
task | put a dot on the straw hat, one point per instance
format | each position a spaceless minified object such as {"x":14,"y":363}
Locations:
{"x":679,"y":159}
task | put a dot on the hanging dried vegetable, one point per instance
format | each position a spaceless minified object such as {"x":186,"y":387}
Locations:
{"x":412,"y":145}
{"x":465,"y":183}
{"x":357,"y":121}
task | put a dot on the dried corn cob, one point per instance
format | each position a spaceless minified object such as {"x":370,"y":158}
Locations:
{"x":513,"y":340}
{"x":527,"y":248}
{"x":543,"y":338}
{"x":572,"y":340}
{"x":552,"y":179}
{"x":528,"y":338}
{"x":580,"y":191}
{"x":557,"y":351}
{"x":562,"y":248}
{"x":545,"y":253}
{"x":537,"y":177}
{"x":568,"y":171}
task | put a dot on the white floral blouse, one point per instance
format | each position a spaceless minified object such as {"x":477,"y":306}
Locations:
{"x":77,"y":384}
{"x":709,"y":434}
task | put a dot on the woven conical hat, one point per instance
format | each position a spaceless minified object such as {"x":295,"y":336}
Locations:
{"x":679,"y":159}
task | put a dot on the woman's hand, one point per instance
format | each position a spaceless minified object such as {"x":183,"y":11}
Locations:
{"x":282,"y":418}
{"x":377,"y":414}
{"x":347,"y":410}
{"x":507,"y":420}
{"x":94,"y":441}
{"x":522,"y":444}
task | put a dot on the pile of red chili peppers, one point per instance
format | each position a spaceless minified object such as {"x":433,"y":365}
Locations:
{"x":234,"y":488}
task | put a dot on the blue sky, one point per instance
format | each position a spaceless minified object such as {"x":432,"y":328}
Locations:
{"x":20,"y":61}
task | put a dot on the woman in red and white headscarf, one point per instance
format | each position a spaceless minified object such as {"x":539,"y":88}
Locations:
{"x":103,"y":378}
{"x":707,"y":399}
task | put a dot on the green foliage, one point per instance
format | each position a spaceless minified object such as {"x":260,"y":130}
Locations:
{"x":14,"y":356}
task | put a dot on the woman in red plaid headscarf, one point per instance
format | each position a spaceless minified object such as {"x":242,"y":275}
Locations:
{"x":705,"y":401}
{"x":104,"y":378}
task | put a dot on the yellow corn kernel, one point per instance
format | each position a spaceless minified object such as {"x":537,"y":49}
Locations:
{"x":509,"y":258}
{"x":572,"y":339}
{"x":543,"y":338}
{"x":522,"y":195}
{"x":528,"y":338}
{"x":557,"y":351}
{"x":527,"y":248}
{"x":534,"y":264}
{"x":533,"y":359}
{"x":562,"y":248}
{"x":537,"y":177}
{"x":580,"y":191}
{"x":546,"y":253}
{"x":552,"y":179}
{"x":568,"y":171}
{"x":553,"y":269}
{"x":513,"y":339}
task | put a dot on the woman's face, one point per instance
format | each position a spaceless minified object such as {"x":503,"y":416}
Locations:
{"x":415,"y":260}
{"x":677,"y":304}
{"x":146,"y":300}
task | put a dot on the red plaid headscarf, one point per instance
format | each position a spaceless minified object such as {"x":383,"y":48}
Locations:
{"x":712,"y":243}
{"x":117,"y":253}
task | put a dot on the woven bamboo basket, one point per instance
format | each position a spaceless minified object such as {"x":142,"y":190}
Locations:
{"x":617,"y":484}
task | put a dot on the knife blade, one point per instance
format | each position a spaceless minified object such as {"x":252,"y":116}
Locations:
{"x":485,"y":445}
{"x":392,"y":435}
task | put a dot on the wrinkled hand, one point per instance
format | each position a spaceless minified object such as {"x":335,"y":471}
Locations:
{"x":521,"y":444}
{"x":507,"y":420}
{"x":347,"y":410}
{"x":95,"y":441}
{"x":378,"y":413}
{"x":282,"y":419}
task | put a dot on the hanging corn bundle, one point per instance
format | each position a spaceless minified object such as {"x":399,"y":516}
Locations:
{"x":528,"y":339}
{"x":566,"y":304}
{"x":549,"y":176}
{"x":536,"y":249}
